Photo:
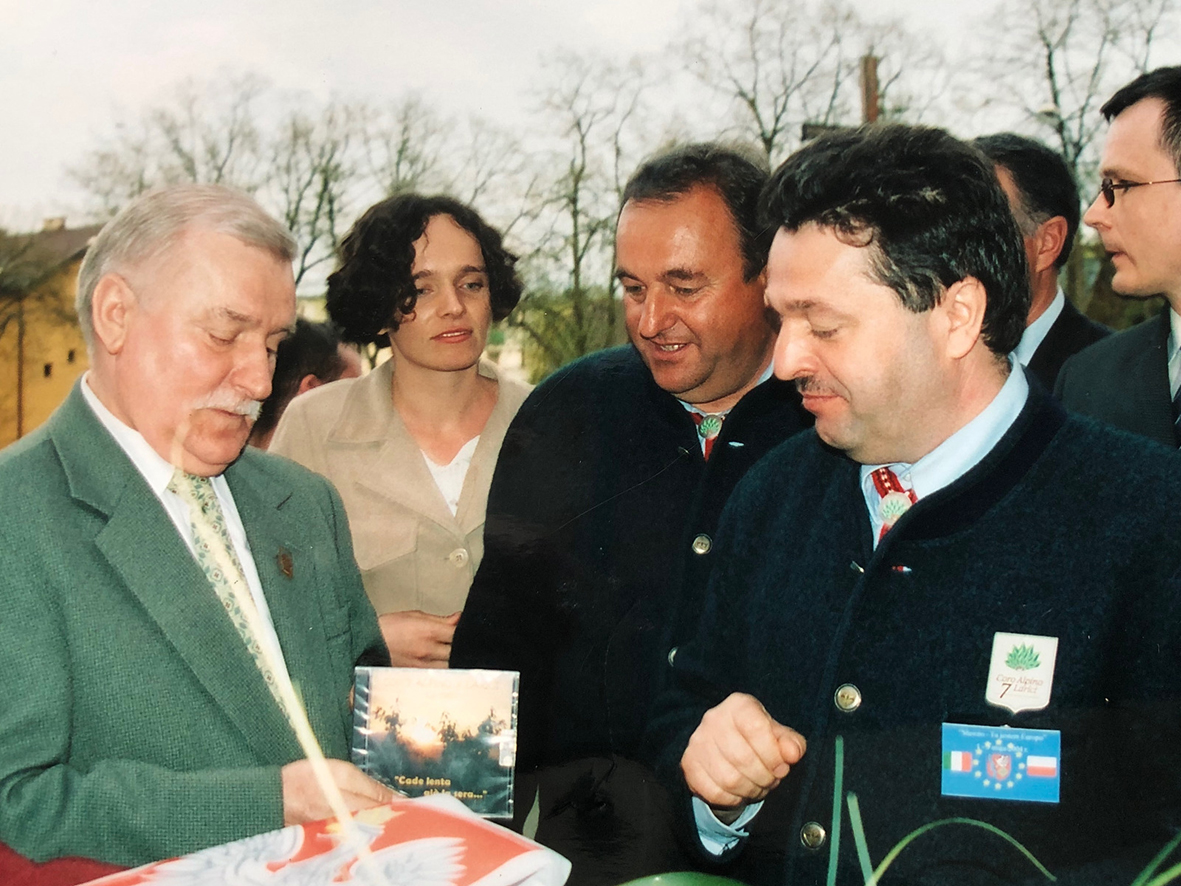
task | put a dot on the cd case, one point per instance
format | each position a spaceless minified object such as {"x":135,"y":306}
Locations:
{"x":428,"y":731}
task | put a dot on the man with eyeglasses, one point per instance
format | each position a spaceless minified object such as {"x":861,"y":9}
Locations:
{"x":1131,"y":379}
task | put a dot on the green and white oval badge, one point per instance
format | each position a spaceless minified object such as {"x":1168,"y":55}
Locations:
{"x":1021,"y":672}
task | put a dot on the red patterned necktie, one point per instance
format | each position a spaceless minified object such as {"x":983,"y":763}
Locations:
{"x":709,"y":425}
{"x":896,"y":499}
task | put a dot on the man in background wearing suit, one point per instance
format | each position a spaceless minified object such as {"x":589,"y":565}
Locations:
{"x":313,"y":355}
{"x":1131,"y":379}
{"x":139,"y":721}
{"x":1044,"y":198}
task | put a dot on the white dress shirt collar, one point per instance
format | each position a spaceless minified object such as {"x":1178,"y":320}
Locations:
{"x":959,"y":453}
{"x":1036,"y":332}
{"x":157,"y":473}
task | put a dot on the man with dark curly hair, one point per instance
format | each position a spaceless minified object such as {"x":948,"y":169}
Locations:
{"x":605,"y":501}
{"x":949,"y":607}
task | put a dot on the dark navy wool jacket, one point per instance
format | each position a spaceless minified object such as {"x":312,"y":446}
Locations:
{"x":598,"y":495}
{"x":1067,"y":529}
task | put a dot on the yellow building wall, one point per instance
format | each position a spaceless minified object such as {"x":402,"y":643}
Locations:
{"x":54,"y":356}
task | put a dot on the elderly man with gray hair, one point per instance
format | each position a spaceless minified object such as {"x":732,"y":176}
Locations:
{"x":161,"y":586}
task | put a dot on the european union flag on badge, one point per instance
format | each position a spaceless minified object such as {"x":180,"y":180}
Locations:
{"x":999,"y":763}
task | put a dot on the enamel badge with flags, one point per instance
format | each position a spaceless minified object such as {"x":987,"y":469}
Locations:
{"x":999,"y":763}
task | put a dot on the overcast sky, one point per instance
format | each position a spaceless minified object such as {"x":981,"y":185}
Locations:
{"x":69,"y":67}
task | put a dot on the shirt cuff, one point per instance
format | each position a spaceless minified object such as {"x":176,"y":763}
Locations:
{"x":715,"y":836}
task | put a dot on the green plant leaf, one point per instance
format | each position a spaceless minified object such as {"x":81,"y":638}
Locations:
{"x":872,"y":880}
{"x":859,"y":838}
{"x":838,"y":787}
{"x":1156,"y":862}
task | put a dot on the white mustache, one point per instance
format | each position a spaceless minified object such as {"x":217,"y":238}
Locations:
{"x":230,"y":403}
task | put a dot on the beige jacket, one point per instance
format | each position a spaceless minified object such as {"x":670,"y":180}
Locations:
{"x":412,"y":552}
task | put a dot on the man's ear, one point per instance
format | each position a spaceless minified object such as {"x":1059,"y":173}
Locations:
{"x":306,"y":383}
{"x":762,"y":279}
{"x":111,"y":307}
{"x":963,"y":307}
{"x":1050,"y":239}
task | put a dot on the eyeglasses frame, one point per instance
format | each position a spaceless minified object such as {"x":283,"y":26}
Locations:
{"x":1107,"y":187}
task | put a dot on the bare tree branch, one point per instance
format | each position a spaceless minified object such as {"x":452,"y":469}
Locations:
{"x":780,"y":64}
{"x":312,"y":172}
{"x":594,"y":109}
{"x":1084,"y":49}
{"x":402,"y":146}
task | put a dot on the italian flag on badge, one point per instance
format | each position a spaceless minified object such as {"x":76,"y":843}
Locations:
{"x":957,"y":761}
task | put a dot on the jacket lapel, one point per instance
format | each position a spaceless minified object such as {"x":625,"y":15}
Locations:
{"x":478,"y":481}
{"x":286,"y":570}
{"x":156,"y":567}
{"x":1147,"y":386}
{"x":141,"y":544}
{"x":369,"y":437}
{"x":421,"y":494}
{"x":1055,"y":347}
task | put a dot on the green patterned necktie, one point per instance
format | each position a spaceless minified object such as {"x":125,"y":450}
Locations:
{"x":216,"y":556}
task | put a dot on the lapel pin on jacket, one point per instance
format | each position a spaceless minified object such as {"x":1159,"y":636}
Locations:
{"x":286,"y":566}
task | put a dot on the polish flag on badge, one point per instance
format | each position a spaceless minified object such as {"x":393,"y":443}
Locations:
{"x":1041,"y":767}
{"x":957,"y":761}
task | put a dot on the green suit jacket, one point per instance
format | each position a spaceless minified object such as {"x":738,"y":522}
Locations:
{"x":134,"y":725}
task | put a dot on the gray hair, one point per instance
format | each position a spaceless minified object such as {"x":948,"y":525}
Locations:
{"x":152,"y":224}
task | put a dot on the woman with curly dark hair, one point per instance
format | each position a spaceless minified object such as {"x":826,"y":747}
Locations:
{"x":411,"y":446}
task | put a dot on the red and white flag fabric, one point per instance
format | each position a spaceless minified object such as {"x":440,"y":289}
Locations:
{"x":432,"y":841}
{"x":1041,"y":767}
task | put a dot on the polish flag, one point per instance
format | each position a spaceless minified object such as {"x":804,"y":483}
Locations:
{"x":957,"y":761}
{"x":1041,"y":767}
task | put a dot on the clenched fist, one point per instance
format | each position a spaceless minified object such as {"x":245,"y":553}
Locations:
{"x":738,"y":754}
